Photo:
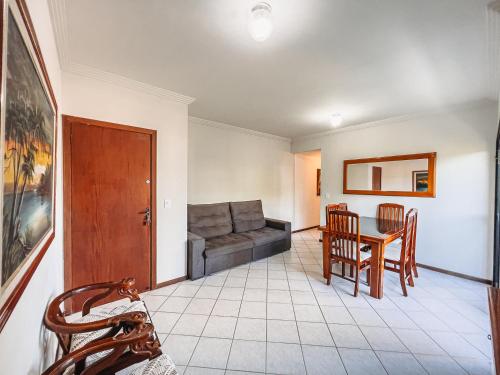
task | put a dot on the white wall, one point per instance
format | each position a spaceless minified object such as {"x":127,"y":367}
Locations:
{"x":227,"y":163}
{"x":455,"y":228}
{"x":306,"y":202}
{"x":96,"y":99}
{"x":25,"y":346}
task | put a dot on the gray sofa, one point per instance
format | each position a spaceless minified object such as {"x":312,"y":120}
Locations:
{"x":224,"y":235}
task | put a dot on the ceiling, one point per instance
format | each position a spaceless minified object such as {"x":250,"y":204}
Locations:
{"x":365,"y":59}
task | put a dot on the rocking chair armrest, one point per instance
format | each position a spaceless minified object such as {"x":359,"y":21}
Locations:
{"x":137,"y":339}
{"x":54,"y":316}
{"x":125,"y":320}
{"x":123,"y":288}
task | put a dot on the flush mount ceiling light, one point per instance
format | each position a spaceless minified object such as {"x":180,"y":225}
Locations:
{"x":336,"y":119}
{"x":260,"y":25}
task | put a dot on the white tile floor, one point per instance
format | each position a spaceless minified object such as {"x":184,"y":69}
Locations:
{"x":277,"y":316}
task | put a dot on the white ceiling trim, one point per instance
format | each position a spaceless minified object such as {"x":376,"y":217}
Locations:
{"x":396,"y":119}
{"x":57,"y":10}
{"x":220,"y":125}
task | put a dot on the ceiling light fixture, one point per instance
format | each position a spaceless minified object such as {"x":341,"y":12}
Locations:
{"x":260,"y":25}
{"x":336,"y":119}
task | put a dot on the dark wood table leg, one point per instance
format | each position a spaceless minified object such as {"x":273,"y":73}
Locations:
{"x":377,"y":270}
{"x":326,"y":243}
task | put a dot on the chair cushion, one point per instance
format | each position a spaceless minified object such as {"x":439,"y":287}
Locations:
{"x":265,"y":235}
{"x":247,"y":216}
{"x":365,"y":251}
{"x":209,"y":220}
{"x":81,"y":339}
{"x":161,"y":365}
{"x":230,"y":243}
{"x":365,"y":255}
{"x":392,"y":253}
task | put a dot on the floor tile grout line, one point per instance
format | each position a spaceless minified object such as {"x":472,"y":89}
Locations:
{"x":199,"y":338}
{"x":235,"y":326}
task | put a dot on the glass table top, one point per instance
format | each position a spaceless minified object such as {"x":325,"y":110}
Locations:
{"x":378,"y":228}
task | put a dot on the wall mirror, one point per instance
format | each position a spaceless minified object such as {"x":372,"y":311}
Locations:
{"x":402,"y":175}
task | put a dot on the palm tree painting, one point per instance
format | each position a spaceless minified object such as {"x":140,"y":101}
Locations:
{"x":28,"y":142}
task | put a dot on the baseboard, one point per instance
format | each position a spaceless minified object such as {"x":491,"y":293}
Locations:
{"x":457,"y":274}
{"x":170,"y":282}
{"x":304,"y":229}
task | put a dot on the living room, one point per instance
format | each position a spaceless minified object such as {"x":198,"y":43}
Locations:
{"x":274,"y":105}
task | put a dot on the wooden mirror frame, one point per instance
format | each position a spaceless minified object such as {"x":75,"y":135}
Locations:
{"x":431,"y":160}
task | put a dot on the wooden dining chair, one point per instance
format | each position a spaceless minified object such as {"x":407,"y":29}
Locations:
{"x":391,"y":211}
{"x":341,"y":207}
{"x":345,"y":246}
{"x":399,"y":258}
{"x":414,"y":245}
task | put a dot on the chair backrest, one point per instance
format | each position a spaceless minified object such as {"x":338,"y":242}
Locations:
{"x":344,"y":234}
{"x":408,"y":235}
{"x":333,"y":207}
{"x":414,"y":235}
{"x":391,"y":211}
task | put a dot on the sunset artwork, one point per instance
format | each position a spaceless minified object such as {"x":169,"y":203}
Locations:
{"x":28,"y":141}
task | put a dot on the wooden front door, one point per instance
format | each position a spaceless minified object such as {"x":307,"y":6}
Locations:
{"x":109,"y":206}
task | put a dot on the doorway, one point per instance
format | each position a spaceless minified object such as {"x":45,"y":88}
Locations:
{"x":109,"y":203}
{"x":307,"y":190}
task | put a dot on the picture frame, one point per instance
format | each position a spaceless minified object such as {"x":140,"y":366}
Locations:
{"x":318,"y":182}
{"x":420,"y":181}
{"x":28,"y":142}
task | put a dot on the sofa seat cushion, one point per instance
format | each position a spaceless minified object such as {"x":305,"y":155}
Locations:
{"x":229,"y":243}
{"x":265,"y":235}
{"x":209,"y":220}
{"x":247,"y":216}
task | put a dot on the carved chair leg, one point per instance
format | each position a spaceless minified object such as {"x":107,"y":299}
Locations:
{"x":351,"y":271}
{"x":368,"y":276}
{"x":402,"y":280}
{"x":343,"y":269}
{"x":409,"y":275}
{"x":414,"y":266}
{"x":356,"y":287}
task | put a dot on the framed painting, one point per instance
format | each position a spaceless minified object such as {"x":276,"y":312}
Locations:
{"x":420,"y":181}
{"x":28,"y":115}
{"x":318,"y":182}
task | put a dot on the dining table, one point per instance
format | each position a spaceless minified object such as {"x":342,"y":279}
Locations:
{"x":377,"y":233}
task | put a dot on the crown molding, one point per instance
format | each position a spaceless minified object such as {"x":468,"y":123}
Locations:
{"x":115,"y":79}
{"x":219,"y":125}
{"x":396,"y":119}
{"x":57,"y":9}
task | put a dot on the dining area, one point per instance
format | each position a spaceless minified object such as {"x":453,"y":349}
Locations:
{"x":362,"y":247}
{"x":370,"y":245}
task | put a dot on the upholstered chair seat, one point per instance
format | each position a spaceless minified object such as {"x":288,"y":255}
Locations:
{"x":115,"y":338}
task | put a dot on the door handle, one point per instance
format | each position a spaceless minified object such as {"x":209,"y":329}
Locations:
{"x":147,"y":216}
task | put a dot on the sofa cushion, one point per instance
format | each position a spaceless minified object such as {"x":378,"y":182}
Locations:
{"x":209,"y":220}
{"x":265,"y":235}
{"x":226,"y":244}
{"x":247,"y":216}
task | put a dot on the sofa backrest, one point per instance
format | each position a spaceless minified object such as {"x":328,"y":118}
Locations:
{"x":247,"y":216}
{"x":209,"y":220}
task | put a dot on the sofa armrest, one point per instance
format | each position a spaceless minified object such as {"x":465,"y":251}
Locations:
{"x":196,"y":261}
{"x":279,"y":224}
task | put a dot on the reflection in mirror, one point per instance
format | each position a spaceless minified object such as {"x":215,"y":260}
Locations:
{"x":399,"y":175}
